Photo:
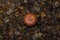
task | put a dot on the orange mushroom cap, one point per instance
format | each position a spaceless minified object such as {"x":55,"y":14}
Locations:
{"x":30,"y":19}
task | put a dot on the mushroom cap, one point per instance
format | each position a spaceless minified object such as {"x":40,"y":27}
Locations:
{"x":30,"y":19}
